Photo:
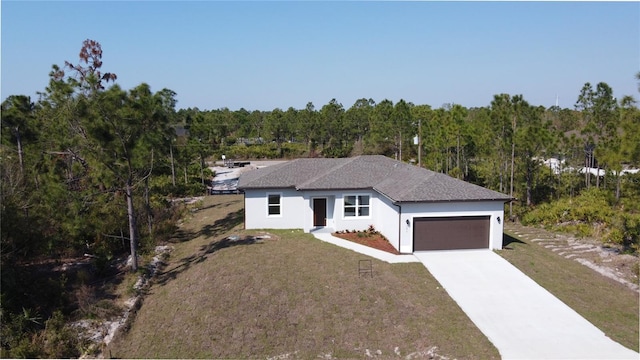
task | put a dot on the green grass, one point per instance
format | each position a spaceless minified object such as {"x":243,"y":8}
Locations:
{"x":291,"y":294}
{"x":296,"y":295}
{"x":609,"y":305}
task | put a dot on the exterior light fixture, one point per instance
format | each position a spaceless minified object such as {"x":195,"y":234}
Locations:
{"x":498,"y":218}
{"x":408,"y":222}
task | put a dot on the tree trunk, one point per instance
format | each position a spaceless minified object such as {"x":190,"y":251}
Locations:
{"x":529,"y":183}
{"x":513,"y":155}
{"x":147,"y":205}
{"x":587,"y":173}
{"x":458,"y":155}
{"x":202,"y":170}
{"x":19,"y":143}
{"x":132,"y":226}
{"x":395,"y":144}
{"x":500,"y":175}
{"x":173,"y":169}
{"x":446,"y":159}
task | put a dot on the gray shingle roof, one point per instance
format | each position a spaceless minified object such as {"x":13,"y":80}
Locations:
{"x":398,"y":181}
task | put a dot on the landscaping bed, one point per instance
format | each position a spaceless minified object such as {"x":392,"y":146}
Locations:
{"x":370,"y":238}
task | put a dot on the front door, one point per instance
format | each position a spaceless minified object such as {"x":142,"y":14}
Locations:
{"x":320,"y":212}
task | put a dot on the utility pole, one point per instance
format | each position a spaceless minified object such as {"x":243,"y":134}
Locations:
{"x":400,"y":151}
{"x":419,"y":143}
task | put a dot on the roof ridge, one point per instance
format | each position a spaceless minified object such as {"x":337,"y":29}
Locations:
{"x":396,"y":180}
{"x":407,"y":167}
{"x":333,"y":168}
{"x":267,"y":170}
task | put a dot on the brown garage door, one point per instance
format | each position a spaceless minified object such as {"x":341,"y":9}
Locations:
{"x":451,"y":233}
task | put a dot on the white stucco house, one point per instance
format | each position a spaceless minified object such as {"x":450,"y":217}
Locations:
{"x":414,"y":208}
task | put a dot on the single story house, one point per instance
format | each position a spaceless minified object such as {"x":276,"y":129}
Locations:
{"x":414,"y":208}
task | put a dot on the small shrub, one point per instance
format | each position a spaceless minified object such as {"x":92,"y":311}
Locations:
{"x":584,"y":230}
{"x":615,"y":236}
{"x":28,"y":347}
{"x":85,"y":298}
{"x":61,"y":340}
{"x":107,"y":309}
{"x":83,"y":276}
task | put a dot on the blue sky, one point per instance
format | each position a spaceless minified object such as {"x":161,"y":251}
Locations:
{"x":266,"y":55}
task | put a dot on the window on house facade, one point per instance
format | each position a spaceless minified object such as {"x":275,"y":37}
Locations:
{"x":274,"y":204}
{"x":356,"y":206}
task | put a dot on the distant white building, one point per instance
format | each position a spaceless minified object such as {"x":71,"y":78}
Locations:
{"x":555,"y":165}
{"x":593,"y":171}
{"x":559,"y":165}
{"x":628,"y":171}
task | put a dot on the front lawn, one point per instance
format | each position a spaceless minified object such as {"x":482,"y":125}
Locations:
{"x":290,"y":296}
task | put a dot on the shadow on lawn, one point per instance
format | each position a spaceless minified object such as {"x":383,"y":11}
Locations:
{"x":508,"y":240}
{"x":218,"y":228}
{"x":166,"y":276}
{"x":220,"y":205}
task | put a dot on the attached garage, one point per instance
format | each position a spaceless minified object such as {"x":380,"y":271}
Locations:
{"x":451,"y":233}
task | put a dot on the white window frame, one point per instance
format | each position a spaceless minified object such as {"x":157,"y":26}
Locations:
{"x":357,"y":206}
{"x":270,"y":205}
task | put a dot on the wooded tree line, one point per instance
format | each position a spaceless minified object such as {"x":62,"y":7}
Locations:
{"x":81,"y":170}
{"x":500,"y":146}
{"x":81,"y":146}
{"x":78,"y":162}
{"x":90,"y":167}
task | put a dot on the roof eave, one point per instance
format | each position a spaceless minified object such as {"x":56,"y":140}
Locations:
{"x":451,"y":200}
{"x":265,"y":187}
{"x":333,"y":189}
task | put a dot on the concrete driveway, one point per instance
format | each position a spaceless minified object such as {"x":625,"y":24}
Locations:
{"x":521,"y":318}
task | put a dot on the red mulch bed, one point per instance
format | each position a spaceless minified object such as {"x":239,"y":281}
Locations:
{"x":375,"y":241}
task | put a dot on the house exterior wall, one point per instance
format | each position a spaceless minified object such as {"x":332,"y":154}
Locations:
{"x":256,"y":215}
{"x":383,"y":215}
{"x":389,"y":219}
{"x":335,"y":210}
{"x":297,"y":212}
{"x":494,"y":209}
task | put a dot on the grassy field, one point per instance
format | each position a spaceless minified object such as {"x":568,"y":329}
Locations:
{"x":290,"y":296}
{"x":609,"y":305}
